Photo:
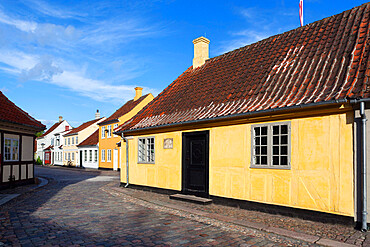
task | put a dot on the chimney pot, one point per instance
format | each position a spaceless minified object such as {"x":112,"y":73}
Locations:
{"x":139,"y":93}
{"x":201,"y":51}
{"x":97,"y":114}
{"x":60,"y":119}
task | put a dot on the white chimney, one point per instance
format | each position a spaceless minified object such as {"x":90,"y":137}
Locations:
{"x":201,"y":51}
{"x":97,"y":114}
{"x":139,"y":92}
{"x":60,"y":119}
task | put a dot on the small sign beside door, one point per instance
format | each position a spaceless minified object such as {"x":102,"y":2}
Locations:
{"x":168,"y":143}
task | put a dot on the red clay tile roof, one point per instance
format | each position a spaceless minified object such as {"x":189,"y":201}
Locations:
{"x":320,"y":62}
{"x":92,"y":140}
{"x":127,"y":107}
{"x":51,"y":129}
{"x":9,"y":112}
{"x":82,"y":127}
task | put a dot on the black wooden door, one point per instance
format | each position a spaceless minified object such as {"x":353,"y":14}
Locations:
{"x":195,"y":154}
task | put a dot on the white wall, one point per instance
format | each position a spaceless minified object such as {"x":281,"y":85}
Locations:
{"x":89,"y":164}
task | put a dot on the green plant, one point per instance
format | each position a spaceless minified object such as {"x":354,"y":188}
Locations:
{"x":38,"y":161}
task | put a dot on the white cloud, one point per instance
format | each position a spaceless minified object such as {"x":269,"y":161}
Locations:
{"x":46,"y":9}
{"x":44,"y":70}
{"x":26,"y":26}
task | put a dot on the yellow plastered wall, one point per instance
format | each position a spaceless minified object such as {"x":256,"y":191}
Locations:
{"x":111,"y":143}
{"x":320,"y":178}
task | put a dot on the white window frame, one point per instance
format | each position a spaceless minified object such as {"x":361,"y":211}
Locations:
{"x":145,"y":155}
{"x":103,"y":132}
{"x":76,"y":140}
{"x":114,"y":127}
{"x":103,"y":155}
{"x":13,"y":149}
{"x":109,"y":133}
{"x":270,"y":154}
{"x":69,"y":141}
{"x":96,"y":156}
{"x":73,"y":140}
{"x":90,"y":155}
{"x":109,"y":155}
{"x":85,"y":155}
{"x":73,"y":156}
{"x":69,"y":156}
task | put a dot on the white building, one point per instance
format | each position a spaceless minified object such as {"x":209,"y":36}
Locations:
{"x":88,"y":151}
{"x":50,"y":144}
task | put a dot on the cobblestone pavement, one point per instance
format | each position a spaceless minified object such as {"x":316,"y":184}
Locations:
{"x":74,"y":209}
{"x":338,"y":232}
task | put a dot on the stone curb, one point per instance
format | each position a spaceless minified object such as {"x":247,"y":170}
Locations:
{"x":258,"y":226}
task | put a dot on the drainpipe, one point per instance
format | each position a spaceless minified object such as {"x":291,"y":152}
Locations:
{"x":126,"y":140}
{"x":364,"y":189}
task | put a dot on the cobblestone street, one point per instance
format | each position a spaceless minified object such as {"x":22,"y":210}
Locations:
{"x":74,"y":210}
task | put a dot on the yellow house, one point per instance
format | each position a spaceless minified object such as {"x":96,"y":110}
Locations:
{"x":73,"y":138}
{"x":109,"y":143}
{"x":275,"y":122}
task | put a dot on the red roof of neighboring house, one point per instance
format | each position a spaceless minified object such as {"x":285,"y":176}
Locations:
{"x":9,"y":112}
{"x":51,"y":129}
{"x":82,"y":127}
{"x":127,"y":107}
{"x":92,"y":140}
{"x":325,"y":61}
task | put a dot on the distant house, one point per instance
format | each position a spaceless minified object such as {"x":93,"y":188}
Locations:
{"x":275,"y":122}
{"x":75,"y":137}
{"x":89,"y":151}
{"x":50,"y":144}
{"x":17,"y":138}
{"x":110,"y":152}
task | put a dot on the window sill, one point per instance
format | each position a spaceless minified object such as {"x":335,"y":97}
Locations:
{"x":146,"y":163}
{"x":270,"y":167}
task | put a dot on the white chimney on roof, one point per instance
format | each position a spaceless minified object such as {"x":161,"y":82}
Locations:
{"x":139,"y":93}
{"x":97,"y":114}
{"x":201,"y":51}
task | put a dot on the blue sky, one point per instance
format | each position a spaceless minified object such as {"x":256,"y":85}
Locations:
{"x":72,"y":57}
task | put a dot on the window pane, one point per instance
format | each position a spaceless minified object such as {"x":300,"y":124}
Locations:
{"x":275,"y":130}
{"x":284,"y":129}
{"x":275,"y":160}
{"x":257,"y":131}
{"x":284,"y":160}
{"x":258,"y":150}
{"x":264,"y":140}
{"x":263,"y":160}
{"x":258,"y":160}
{"x":284,"y":139}
{"x":257,"y":141}
{"x":275,"y":140}
{"x":264,"y":150}
{"x":275,"y":150}
{"x":264,"y":130}
{"x":284,"y":150}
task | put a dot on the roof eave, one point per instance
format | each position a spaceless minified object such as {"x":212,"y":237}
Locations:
{"x":239,"y":115}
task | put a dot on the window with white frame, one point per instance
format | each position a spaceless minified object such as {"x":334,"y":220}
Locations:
{"x":146,"y":150}
{"x":69,"y":156}
{"x":57,"y":142}
{"x":96,"y":156}
{"x":65,"y":141}
{"x":85,"y":155}
{"x":90,"y":155}
{"x":109,"y":155}
{"x":109,"y":133}
{"x":52,"y":141}
{"x":73,"y":140}
{"x":69,"y":141}
{"x":114,"y":127}
{"x":103,"y":132}
{"x":103,"y":155}
{"x":11,"y":149}
{"x":65,"y":156}
{"x":271,"y":145}
{"x":76,"y":139}
{"x":73,"y":156}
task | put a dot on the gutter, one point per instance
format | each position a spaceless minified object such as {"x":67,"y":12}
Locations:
{"x":362,"y":102}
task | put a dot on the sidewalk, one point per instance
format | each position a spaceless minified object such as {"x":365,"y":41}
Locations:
{"x":325,"y":234}
{"x":8,"y":194}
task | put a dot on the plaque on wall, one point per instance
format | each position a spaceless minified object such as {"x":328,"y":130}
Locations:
{"x":168,"y":143}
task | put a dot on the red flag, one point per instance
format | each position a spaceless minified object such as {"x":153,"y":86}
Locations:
{"x":301,"y":12}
